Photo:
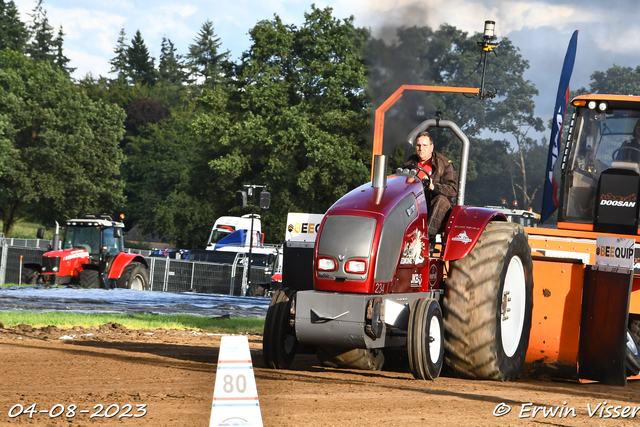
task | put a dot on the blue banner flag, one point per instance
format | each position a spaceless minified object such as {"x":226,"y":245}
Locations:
{"x":549,"y":199}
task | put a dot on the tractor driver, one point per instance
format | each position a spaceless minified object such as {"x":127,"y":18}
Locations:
{"x":443,"y":181}
{"x":629,"y":151}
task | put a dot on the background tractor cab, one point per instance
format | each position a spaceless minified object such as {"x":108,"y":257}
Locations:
{"x":92,"y":256}
{"x":600,"y":166}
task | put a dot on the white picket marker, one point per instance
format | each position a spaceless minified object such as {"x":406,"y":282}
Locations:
{"x":235,"y":396}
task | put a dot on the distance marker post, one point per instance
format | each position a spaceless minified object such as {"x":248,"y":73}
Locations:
{"x":235,"y":396}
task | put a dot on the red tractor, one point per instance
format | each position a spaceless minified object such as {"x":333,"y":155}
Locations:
{"x":377,"y":285}
{"x":92,"y":256}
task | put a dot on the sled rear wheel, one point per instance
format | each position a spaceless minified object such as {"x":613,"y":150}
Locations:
{"x":633,"y":356}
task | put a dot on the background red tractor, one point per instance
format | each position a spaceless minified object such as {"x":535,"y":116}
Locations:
{"x":378,"y":287}
{"x":92,"y":256}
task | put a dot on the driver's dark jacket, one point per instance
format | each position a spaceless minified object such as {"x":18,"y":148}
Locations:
{"x":445,"y":180}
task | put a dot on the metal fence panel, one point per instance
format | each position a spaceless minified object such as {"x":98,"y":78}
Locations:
{"x":179,"y":275}
{"x":12,"y":267}
{"x":211,"y":278}
{"x":29,"y":243}
{"x":157,"y":272}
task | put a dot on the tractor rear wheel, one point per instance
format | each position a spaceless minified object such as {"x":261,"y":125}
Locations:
{"x":488,"y":304}
{"x":425,"y":339}
{"x":134,"y":276}
{"x":279,"y":340}
{"x":90,"y":279}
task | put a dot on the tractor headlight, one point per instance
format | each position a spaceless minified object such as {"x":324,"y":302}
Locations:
{"x":602,"y":106}
{"x":55,"y":269}
{"x":327,"y":264}
{"x":357,"y":266}
{"x":592,"y":105}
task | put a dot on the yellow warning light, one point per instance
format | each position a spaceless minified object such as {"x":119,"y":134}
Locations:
{"x":579,"y":103}
{"x":122,"y":216}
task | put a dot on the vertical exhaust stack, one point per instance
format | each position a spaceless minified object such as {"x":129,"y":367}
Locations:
{"x":379,"y":181}
{"x":56,"y":238}
{"x":379,"y":171}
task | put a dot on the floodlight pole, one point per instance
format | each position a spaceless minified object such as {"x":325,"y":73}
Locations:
{"x":251,"y":190}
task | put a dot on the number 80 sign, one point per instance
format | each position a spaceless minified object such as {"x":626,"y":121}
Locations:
{"x":235,"y":397}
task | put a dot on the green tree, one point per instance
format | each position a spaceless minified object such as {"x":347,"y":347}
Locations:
{"x":13,"y":32}
{"x":66,"y":157}
{"x":120,"y":63}
{"x":616,"y":80}
{"x":61,"y":61}
{"x":186,"y":200}
{"x":170,"y":66}
{"x":41,"y":46}
{"x":158,"y":162}
{"x":296,"y":124}
{"x":203,"y":59}
{"x":139,"y":62}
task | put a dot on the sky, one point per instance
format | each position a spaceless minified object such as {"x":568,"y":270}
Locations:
{"x":608,"y":30}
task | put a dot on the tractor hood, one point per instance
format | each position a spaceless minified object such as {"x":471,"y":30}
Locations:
{"x":367,"y":198}
{"x":67,"y":254}
{"x":364,"y":223}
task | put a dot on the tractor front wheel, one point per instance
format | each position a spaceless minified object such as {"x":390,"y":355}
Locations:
{"x":29,"y":276}
{"x":488,"y":304}
{"x":134,"y":276}
{"x":90,"y":279}
{"x":279,"y":340}
{"x":425,"y":339}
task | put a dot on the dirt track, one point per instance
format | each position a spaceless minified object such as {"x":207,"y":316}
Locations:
{"x":173,"y":374}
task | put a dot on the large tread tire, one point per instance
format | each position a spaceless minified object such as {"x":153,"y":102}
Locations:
{"x":279,"y":340}
{"x":134,"y":276}
{"x":483,"y":340}
{"x":29,"y":276}
{"x":634,"y":327}
{"x":425,"y":339}
{"x":351,"y":358}
{"x":90,"y":279}
{"x":633,"y":355}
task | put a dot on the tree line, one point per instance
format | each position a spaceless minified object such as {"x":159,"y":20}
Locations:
{"x":169,"y":143}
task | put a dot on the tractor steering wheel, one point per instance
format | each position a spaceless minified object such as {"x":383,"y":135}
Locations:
{"x":613,"y":155}
{"x":426,"y":181}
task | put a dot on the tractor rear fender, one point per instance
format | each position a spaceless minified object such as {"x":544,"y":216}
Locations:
{"x":121,"y":261}
{"x":464,"y":227}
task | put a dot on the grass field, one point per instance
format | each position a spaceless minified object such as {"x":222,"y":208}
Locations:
{"x":28,"y":230}
{"x":138,"y":321}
